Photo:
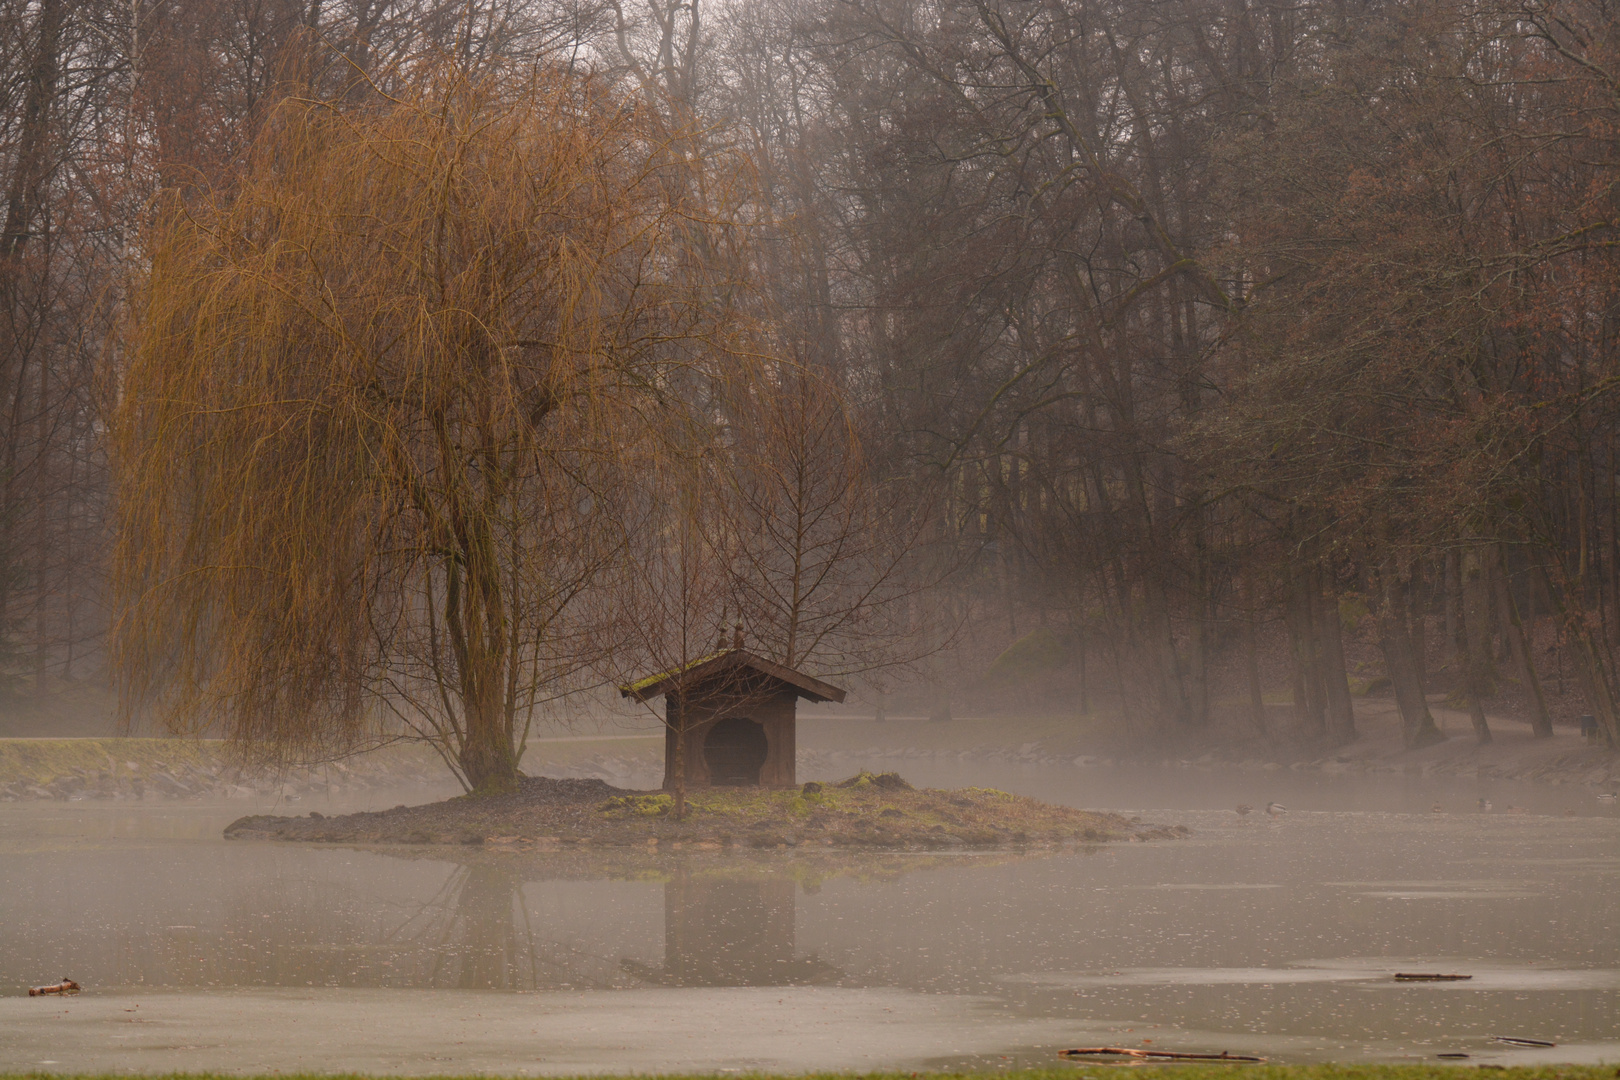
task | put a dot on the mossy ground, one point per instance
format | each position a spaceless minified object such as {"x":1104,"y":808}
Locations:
{"x":864,"y":811}
{"x":1065,"y":1072}
{"x":866,"y":807}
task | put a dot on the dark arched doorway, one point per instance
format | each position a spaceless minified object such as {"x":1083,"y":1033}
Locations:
{"x":734,"y":751}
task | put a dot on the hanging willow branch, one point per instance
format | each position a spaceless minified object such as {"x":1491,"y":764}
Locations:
{"x":382,"y":400}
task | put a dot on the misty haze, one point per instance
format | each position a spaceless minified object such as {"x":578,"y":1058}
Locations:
{"x":623,"y":537}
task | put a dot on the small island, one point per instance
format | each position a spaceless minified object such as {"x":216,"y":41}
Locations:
{"x":865,"y":811}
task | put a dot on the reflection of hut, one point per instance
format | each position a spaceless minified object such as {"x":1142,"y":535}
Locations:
{"x":722,"y":931}
{"x":737,"y":710}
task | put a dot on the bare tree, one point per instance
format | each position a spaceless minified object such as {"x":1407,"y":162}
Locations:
{"x":830,"y":567}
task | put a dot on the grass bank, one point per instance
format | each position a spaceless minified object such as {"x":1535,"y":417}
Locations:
{"x":43,"y":761}
{"x":135,"y":768}
{"x":142,"y":768}
{"x":1513,"y":754}
{"x":1066,"y":1072}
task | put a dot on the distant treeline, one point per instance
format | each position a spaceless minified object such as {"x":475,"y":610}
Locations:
{"x":1184,"y":319}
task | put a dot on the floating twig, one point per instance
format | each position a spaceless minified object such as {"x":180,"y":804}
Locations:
{"x":1513,"y":1040}
{"x":66,"y":986}
{"x":1170,"y":1055}
{"x":1407,"y":976}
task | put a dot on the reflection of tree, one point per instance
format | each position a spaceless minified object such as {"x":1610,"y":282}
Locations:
{"x":728,"y":921}
{"x":477,"y":933}
{"x":728,"y":931}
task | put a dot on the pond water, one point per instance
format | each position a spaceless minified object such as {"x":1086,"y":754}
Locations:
{"x":1272,"y":936}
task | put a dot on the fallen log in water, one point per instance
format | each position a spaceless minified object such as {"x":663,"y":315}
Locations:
{"x":66,"y":986}
{"x":1404,"y":976}
{"x":1169,"y":1055}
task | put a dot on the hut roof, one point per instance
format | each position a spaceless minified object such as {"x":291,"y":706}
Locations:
{"x":718,"y":663}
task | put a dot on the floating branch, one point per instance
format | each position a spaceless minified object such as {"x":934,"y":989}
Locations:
{"x":66,"y":986}
{"x":1170,"y":1055}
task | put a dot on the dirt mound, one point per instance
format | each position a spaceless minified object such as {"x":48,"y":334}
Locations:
{"x":868,"y":810}
{"x":565,"y":789}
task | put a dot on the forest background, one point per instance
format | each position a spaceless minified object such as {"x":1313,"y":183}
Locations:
{"x":1206,"y":346}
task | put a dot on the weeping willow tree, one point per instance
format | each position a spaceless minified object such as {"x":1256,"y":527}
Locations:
{"x":382,"y":401}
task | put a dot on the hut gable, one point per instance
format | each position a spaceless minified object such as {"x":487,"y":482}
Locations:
{"x":738,"y":666}
{"x":737,"y":712}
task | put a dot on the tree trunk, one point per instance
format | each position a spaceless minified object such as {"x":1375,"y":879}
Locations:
{"x":675,"y":717}
{"x":487,"y":758}
{"x":1340,"y":708}
{"x":1173,"y":705}
{"x":679,"y":811}
{"x":1524,"y":654}
{"x":476,"y":629}
{"x":1251,"y":659}
{"x":1310,"y":691}
{"x":44,"y":547}
{"x":1080,"y":664}
{"x":1503,"y":610}
{"x":1452,"y":584}
{"x":1395,"y":639}
{"x":1476,"y":640}
{"x":1586,"y":654}
{"x":1416,"y":613}
{"x":23,"y":192}
{"x":1196,"y":693}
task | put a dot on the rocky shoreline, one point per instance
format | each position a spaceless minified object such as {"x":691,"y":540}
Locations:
{"x":865,"y":811}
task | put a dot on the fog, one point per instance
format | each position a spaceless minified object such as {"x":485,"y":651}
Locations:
{"x":1202,"y":411}
{"x":1276,"y":936}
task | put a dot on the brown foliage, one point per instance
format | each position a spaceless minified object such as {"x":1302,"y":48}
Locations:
{"x":381,"y":403}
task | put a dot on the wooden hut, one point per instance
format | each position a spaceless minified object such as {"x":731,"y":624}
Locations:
{"x":737,"y":711}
